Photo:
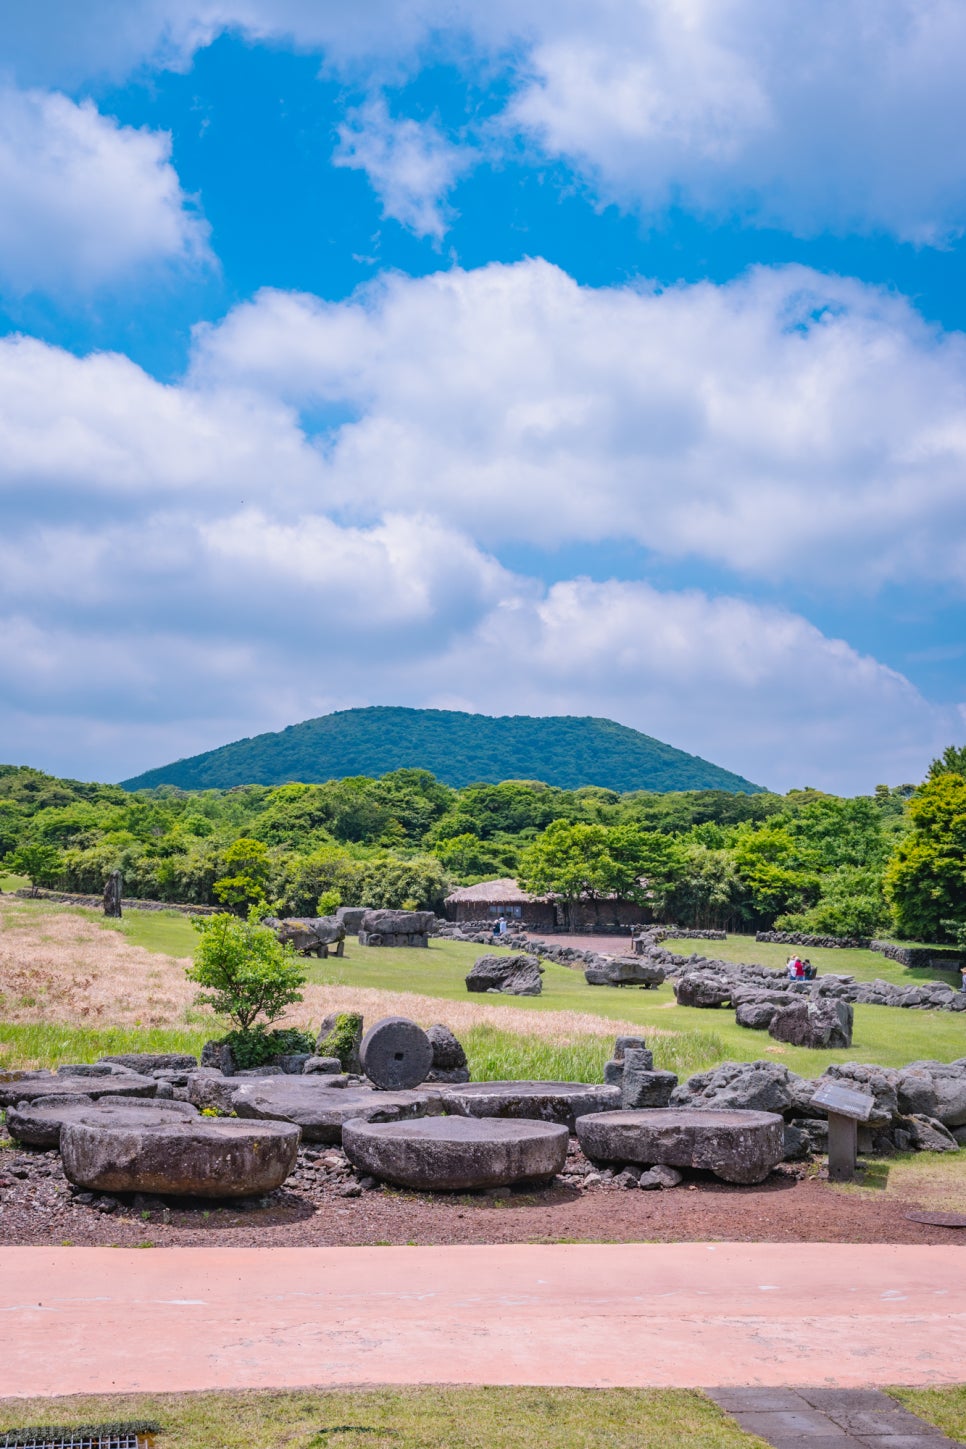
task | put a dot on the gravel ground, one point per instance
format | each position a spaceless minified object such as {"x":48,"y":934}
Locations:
{"x":324,"y":1203}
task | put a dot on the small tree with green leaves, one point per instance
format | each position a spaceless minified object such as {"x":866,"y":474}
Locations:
{"x":244,"y":971}
{"x":41,"y":864}
{"x":248,"y":864}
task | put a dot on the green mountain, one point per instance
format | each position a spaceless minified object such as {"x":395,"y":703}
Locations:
{"x":459,"y":749}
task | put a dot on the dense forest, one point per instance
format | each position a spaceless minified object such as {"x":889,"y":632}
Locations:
{"x":459,"y":749}
{"x":893,"y":861}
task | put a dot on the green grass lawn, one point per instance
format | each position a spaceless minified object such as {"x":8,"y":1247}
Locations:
{"x":946,"y":1407}
{"x":10,"y":882}
{"x":863,"y":965}
{"x":168,"y":932}
{"x":407,"y":1418}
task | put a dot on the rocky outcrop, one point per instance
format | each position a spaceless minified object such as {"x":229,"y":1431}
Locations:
{"x":702,"y":989}
{"x":625,"y":971}
{"x":516,"y":975}
{"x":449,"y":1059}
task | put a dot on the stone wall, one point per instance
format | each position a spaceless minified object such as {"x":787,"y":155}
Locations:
{"x":829,"y":943}
{"x":67,"y":898}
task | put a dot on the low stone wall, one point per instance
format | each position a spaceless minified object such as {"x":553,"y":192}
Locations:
{"x":829,"y":943}
{"x":67,"y":898}
{"x":929,"y":958}
{"x":682,"y":933}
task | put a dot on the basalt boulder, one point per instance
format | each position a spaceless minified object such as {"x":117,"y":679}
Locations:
{"x":706,"y":991}
{"x":824,"y":1023}
{"x":513,"y":975}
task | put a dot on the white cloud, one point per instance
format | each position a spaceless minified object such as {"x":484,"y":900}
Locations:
{"x":179,"y":566}
{"x":410,"y":164}
{"x":84,"y":200}
{"x":786,"y":422}
{"x":839,"y":113}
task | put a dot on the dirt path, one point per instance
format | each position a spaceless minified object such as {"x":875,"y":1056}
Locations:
{"x":101,"y":1320}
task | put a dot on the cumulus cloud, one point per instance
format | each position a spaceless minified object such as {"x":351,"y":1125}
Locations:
{"x":181,"y":565}
{"x":840,"y":113}
{"x":784,"y":422}
{"x":409,"y":164}
{"x":84,"y":200}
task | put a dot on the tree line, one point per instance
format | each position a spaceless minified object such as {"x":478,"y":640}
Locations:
{"x":893,"y":861}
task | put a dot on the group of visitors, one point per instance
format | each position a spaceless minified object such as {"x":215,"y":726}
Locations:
{"x":800,"y":970}
{"x":500,"y":926}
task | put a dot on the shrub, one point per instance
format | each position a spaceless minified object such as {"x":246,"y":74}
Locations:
{"x":257,"y":1047}
{"x":244,"y":970}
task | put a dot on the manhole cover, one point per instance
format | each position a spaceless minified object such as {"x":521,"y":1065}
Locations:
{"x":83,"y":1436}
{"x":939,"y":1220}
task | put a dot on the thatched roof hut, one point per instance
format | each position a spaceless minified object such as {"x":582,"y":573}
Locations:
{"x":489,"y":899}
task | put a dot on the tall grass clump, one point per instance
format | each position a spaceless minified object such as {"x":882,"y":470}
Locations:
{"x":496,"y":1055}
{"x":50,"y":1044}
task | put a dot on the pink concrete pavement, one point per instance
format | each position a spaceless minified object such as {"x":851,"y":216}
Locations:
{"x":94,"y":1320}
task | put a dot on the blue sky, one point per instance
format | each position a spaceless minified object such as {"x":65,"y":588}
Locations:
{"x":527,"y":359}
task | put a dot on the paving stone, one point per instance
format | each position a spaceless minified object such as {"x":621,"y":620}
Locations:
{"x":935,"y":1440}
{"x":891,"y":1420}
{"x":830,"y":1400}
{"x":751,"y":1400}
{"x":791,"y":1425}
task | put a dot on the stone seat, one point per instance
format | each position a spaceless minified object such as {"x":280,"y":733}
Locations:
{"x":560,"y":1102}
{"x":37,"y":1123}
{"x":198,"y":1157}
{"x":740,"y":1147}
{"x":321,"y":1110}
{"x":456,"y":1154}
{"x":118,"y":1083}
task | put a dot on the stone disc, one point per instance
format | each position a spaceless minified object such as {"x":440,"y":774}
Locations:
{"x":939,"y":1220}
{"x":740,"y":1147}
{"x":456,"y":1153}
{"x":561,"y":1102}
{"x":396,"y":1054}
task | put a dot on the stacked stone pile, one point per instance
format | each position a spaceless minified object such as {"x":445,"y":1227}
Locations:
{"x":702,"y":981}
{"x":396,"y":928}
{"x":918,"y":1107}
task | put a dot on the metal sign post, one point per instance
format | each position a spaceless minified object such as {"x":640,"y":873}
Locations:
{"x":846,"y":1108}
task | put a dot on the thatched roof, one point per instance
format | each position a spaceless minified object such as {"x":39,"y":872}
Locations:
{"x":504,"y":892}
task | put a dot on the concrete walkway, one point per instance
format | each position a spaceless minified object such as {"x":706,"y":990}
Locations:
{"x":93,"y":1320}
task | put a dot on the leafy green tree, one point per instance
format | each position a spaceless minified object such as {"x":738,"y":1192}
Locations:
{"x":952,"y":761}
{"x":925,"y":880}
{"x":577,"y":861}
{"x":709,"y":892}
{"x":249,"y":864}
{"x":40,"y":863}
{"x":851,"y":903}
{"x":244,"y":970}
{"x":777,"y":870}
{"x":470,"y":859}
{"x":419,"y":883}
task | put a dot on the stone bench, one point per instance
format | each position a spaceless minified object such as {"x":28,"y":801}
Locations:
{"x":456,"y":1154}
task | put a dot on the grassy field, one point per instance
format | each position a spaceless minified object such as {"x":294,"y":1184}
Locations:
{"x":580,"y":1021}
{"x":423,"y":1418}
{"x":863,"y":965}
{"x":946,"y":1408}
{"x":935,"y":1181}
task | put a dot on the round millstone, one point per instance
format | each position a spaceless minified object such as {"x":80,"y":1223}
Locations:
{"x":740,"y":1147}
{"x":50,"y":1084}
{"x":199,"y":1157}
{"x":560,"y":1102}
{"x":38,"y":1123}
{"x":321,"y":1110}
{"x":458,"y":1154}
{"x":396,"y":1054}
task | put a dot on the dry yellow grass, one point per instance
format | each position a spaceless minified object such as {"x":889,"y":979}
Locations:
{"x":60,"y":967}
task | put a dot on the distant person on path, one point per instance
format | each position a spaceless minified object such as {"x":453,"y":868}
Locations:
{"x":963,"y":971}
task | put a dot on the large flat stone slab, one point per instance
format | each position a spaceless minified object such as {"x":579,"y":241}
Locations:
{"x":118,"y":1083}
{"x":561,"y":1102}
{"x":740,"y":1147}
{"x":456,"y":1153}
{"x":201,"y":1157}
{"x":38,"y":1123}
{"x":321,"y":1110}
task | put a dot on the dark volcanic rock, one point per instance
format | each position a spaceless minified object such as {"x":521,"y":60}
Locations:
{"x":199,"y":1157}
{"x":517,"y":975}
{"x":624,"y":971}
{"x":449,"y":1058}
{"x":704,"y":991}
{"x":322,"y":1110}
{"x":739,"y":1147}
{"x":146,"y":1063}
{"x":457,"y":1153}
{"x":560,"y":1102}
{"x":396,"y":1054}
{"x":116,"y":1083}
{"x":826,"y":1022}
{"x":38,"y":1123}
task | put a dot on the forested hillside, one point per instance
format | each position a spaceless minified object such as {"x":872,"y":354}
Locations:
{"x":894,"y":861}
{"x":460,"y":749}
